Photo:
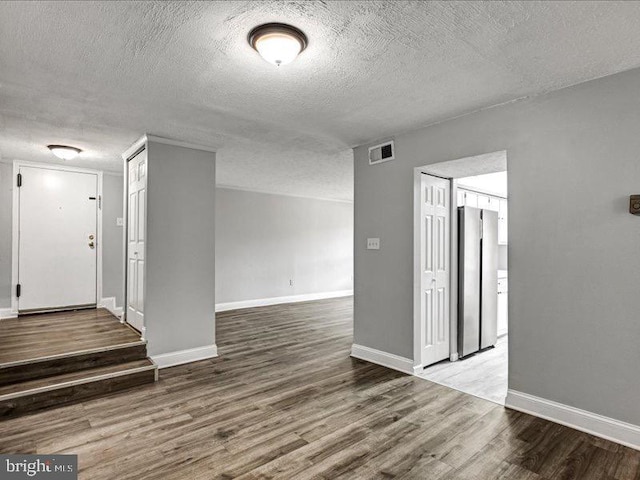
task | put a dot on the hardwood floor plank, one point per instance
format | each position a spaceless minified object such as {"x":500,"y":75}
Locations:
{"x":49,"y":334}
{"x":285,"y":401}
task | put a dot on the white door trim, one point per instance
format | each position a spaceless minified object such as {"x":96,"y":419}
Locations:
{"x":137,"y":148}
{"x":453,"y":274}
{"x":15,"y":224}
{"x":417,"y":274}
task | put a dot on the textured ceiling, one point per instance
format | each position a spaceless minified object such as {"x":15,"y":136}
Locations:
{"x":100,"y":74}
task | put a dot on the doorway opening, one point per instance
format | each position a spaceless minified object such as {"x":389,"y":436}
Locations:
{"x":57,"y":262}
{"x":461,"y":274}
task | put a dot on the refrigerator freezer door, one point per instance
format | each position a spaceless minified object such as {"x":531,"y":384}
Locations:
{"x":469,"y":281}
{"x":489,"y":280}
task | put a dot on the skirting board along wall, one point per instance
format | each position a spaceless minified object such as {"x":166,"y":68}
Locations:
{"x":594,"y":424}
{"x":110,"y":304}
{"x":261,"y":302}
{"x":598,"y":425}
{"x":172,"y":359}
{"x":402,"y":364}
{"x":7,"y":313}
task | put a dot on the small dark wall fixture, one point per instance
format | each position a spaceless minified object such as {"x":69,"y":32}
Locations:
{"x":634,"y":204}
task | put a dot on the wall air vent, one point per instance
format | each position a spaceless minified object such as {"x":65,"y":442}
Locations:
{"x":381,"y":153}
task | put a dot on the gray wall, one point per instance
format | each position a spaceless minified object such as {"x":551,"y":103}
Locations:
{"x":112,"y":277}
{"x":6,"y":202}
{"x":574,"y":263}
{"x":264,"y":240}
{"x":180,"y":250}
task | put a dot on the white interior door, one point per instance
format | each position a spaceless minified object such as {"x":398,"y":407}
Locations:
{"x":136,"y":203}
{"x":57,"y":261}
{"x":435,"y":261}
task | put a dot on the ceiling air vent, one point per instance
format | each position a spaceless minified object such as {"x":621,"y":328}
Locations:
{"x":381,"y":153}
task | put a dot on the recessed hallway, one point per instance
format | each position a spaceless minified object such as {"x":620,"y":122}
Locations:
{"x":285,"y":400}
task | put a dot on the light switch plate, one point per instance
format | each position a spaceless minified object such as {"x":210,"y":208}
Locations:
{"x":119,"y":222}
{"x":634,"y":204}
{"x":373,"y":244}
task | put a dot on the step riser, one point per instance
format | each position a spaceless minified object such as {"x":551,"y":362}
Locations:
{"x":74,"y":393}
{"x":31,"y":371}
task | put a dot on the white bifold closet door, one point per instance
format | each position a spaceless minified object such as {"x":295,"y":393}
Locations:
{"x":136,"y":203}
{"x":434,"y":265}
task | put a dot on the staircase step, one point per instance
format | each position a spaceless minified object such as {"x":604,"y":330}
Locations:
{"x":46,"y":366}
{"x":32,"y":395}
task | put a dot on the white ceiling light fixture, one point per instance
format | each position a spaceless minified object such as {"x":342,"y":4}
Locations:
{"x":64,"y":152}
{"x":278,"y":43}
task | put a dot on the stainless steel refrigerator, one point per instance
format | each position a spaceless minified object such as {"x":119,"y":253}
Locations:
{"x":477,"y":279}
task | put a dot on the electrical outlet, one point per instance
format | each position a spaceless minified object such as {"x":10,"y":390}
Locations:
{"x":373,"y":244}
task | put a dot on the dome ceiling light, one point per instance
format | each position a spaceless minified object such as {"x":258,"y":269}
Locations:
{"x":278,"y":43}
{"x":64,"y":152}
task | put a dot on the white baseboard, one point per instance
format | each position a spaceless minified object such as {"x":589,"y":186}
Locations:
{"x":110,"y":304}
{"x":172,"y":359}
{"x":608,"y":428}
{"x":7,"y":313}
{"x":261,"y":302}
{"x":389,"y":360}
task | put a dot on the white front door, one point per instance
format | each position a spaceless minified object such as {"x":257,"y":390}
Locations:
{"x":434,"y":264}
{"x":137,"y":191}
{"x":57,"y":261}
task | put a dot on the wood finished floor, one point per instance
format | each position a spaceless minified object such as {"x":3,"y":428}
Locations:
{"x":483,"y":374}
{"x":47,"y":334}
{"x":285,"y":400}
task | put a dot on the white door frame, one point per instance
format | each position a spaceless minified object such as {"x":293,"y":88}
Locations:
{"x":418,"y":364}
{"x":15,"y":234}
{"x":132,"y":151}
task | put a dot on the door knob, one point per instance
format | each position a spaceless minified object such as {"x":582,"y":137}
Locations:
{"x":92,"y":244}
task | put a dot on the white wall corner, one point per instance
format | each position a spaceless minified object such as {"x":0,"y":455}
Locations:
{"x":110,"y":304}
{"x":7,"y":313}
{"x":389,"y":360}
{"x":180,"y":357}
{"x":261,"y":302}
{"x":608,"y":428}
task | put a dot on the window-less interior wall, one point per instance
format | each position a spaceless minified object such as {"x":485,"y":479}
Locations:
{"x":573,"y":254}
{"x":179,"y":271}
{"x":112,"y":249}
{"x":272,"y":246}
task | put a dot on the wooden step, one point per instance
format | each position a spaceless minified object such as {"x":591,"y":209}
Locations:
{"x":45,"y":366}
{"x":19,"y":398}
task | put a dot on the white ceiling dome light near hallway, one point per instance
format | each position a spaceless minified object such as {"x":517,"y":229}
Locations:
{"x":278,"y":43}
{"x":64,"y":152}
